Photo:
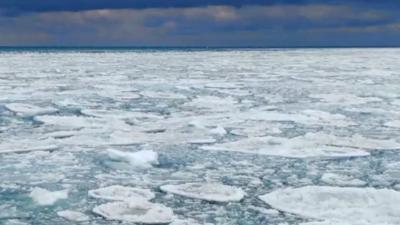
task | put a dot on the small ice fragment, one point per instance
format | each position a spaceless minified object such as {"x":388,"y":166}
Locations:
{"x":73,"y":216}
{"x":44,"y":197}
{"x":208,"y":191}
{"x":218,"y":131}
{"x":136,"y":211}
{"x":120,"y":193}
{"x":140,"y":159}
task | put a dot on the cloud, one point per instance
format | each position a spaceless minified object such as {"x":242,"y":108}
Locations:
{"x":219,"y":25}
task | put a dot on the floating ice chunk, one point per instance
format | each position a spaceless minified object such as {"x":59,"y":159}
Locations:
{"x":297,"y":147}
{"x":44,"y":197}
{"x":307,"y":117}
{"x":162,"y":95}
{"x":344,"y":99}
{"x":15,"y":222}
{"x":28,"y":110}
{"x":218,"y":131}
{"x":22,"y":146}
{"x":142,"y":159}
{"x":309,"y":145}
{"x":356,"y":206}
{"x":61,"y":134}
{"x":69,"y":121}
{"x":212,"y":103}
{"x":396,"y":102}
{"x":73,"y":216}
{"x":341,"y":180}
{"x":120,"y":193}
{"x":185,"y":222}
{"x":394,"y":123}
{"x":206,"y":191}
{"x":136,"y":211}
{"x":322,"y":117}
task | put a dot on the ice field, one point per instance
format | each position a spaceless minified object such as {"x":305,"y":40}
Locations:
{"x":200,"y":137}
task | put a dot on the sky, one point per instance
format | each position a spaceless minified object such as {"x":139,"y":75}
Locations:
{"x":201,"y":23}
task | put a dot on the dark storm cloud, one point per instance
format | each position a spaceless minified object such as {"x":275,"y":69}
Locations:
{"x":21,"y":6}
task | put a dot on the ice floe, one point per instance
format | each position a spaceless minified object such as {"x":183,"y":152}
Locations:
{"x":136,"y":211}
{"x":394,"y":123}
{"x":26,"y":110}
{"x":140,"y":159}
{"x":344,"y":205}
{"x":345,"y":99}
{"x":120,"y":193}
{"x":45,"y":197}
{"x":309,"y":145}
{"x":213,"y":192}
{"x":341,"y":180}
{"x":73,"y":216}
{"x":23,"y":146}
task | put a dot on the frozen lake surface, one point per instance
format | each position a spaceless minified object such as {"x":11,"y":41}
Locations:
{"x":216,"y":137}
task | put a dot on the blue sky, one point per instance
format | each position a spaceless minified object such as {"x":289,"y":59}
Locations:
{"x":271,"y":23}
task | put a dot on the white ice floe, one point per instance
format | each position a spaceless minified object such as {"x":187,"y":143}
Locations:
{"x":69,"y":121}
{"x":136,"y":211}
{"x":162,"y":95}
{"x":79,"y":122}
{"x":344,"y":99}
{"x":394,"y":123}
{"x":25,"y":110}
{"x":44,"y":197}
{"x":306,"y":117}
{"x":212,"y":103}
{"x":140,"y":159}
{"x":186,"y":222}
{"x":22,"y":146}
{"x":120,"y":193}
{"x":355,"y":206}
{"x":206,"y":191}
{"x":73,"y":216}
{"x":309,"y":145}
{"x":341,"y":180}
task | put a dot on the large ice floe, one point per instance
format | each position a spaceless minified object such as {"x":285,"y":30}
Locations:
{"x":206,"y":191}
{"x":356,"y":206}
{"x":309,"y":145}
{"x":136,"y":210}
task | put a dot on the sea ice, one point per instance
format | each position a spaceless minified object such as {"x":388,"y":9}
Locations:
{"x":344,"y":99}
{"x":344,"y":205}
{"x":140,"y":159}
{"x":213,"y":192}
{"x":136,"y":211}
{"x":44,"y":197}
{"x":310,"y":145}
{"x":212,"y":103}
{"x":26,"y":110}
{"x":22,"y":146}
{"x":73,"y":216}
{"x":341,"y":180}
{"x":394,"y":123}
{"x":162,"y":95}
{"x":120,"y":193}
